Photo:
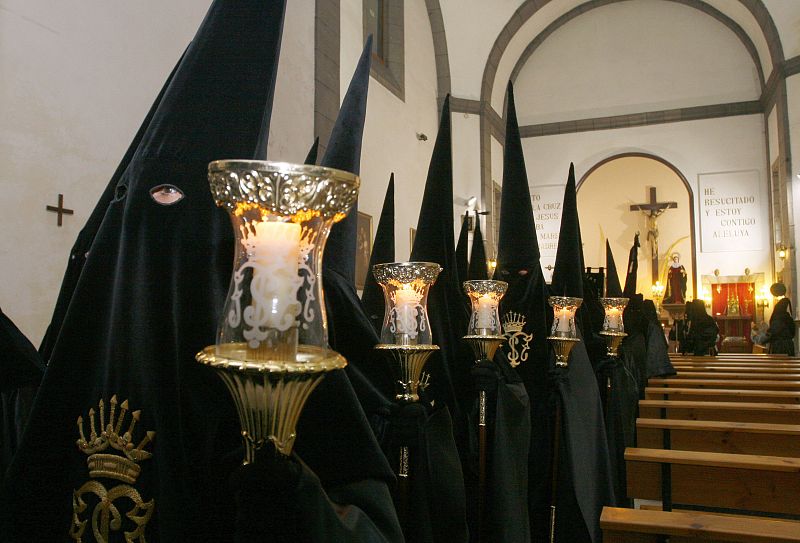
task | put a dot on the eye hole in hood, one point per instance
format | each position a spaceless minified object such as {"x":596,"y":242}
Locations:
{"x":166,"y":195}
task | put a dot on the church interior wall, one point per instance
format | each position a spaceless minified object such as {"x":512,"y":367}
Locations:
{"x":393,"y":126}
{"x":673,"y":57}
{"x":694,"y":147}
{"x":793,"y":94}
{"x":466,"y":165}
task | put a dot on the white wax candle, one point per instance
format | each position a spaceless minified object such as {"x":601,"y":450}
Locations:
{"x":485,"y":311}
{"x":613,"y":315}
{"x":273,"y":252}
{"x":406,"y":300}
{"x":563,"y":317}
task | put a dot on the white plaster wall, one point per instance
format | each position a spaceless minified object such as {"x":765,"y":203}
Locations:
{"x":786,"y":15}
{"x":77,"y":80}
{"x":472,"y":27}
{"x":634,"y":57}
{"x":390,"y":134}
{"x":466,"y":166}
{"x":706,"y":146}
{"x":793,"y":94}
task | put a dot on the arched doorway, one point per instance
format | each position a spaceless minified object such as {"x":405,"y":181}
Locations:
{"x":605,"y":196}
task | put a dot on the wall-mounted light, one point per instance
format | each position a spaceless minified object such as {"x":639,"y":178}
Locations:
{"x":782,"y":251}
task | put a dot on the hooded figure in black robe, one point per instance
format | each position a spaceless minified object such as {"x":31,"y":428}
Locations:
{"x":633,"y":268}
{"x":585,"y":481}
{"x":148,"y":298}
{"x":619,"y":391}
{"x":780,"y":336}
{"x":658,"y":363}
{"x":518,"y":265}
{"x":437,"y":511}
{"x":478,"y":268}
{"x":462,"y":249}
{"x":701,"y":337}
{"x":21,"y":369}
{"x":434,"y":242}
{"x":382,"y":252}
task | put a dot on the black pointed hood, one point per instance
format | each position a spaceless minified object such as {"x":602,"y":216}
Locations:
{"x":150,"y":296}
{"x":613,"y":288}
{"x":435,"y":242}
{"x":517,"y":246}
{"x":478,"y":268}
{"x":344,"y":153}
{"x":462,"y":249}
{"x":568,"y":273}
{"x":518,"y":254}
{"x":311,"y":157}
{"x":382,"y":251}
{"x":633,"y":268}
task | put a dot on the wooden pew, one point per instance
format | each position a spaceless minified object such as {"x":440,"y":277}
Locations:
{"x":736,"y":369}
{"x":722,"y":395}
{"x":718,"y":436}
{"x":735,"y":482}
{"x":773,"y":413}
{"x":760,"y":384}
{"x":639,"y":526}
{"x":736,"y":375}
{"x":734,"y":355}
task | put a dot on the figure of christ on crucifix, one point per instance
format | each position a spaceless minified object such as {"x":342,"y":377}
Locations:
{"x":652,"y":210}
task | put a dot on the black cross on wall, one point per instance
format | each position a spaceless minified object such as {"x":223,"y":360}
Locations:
{"x":60,"y":209}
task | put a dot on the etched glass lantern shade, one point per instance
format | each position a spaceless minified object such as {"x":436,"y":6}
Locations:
{"x":405,"y":290}
{"x":613,"y":314}
{"x":282,"y":214}
{"x":485,"y":296}
{"x":564,"y":308}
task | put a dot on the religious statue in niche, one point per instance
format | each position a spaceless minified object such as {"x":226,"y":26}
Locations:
{"x":675,"y":292}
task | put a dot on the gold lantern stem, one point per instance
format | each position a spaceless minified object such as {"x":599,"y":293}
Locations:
{"x":269,"y":395}
{"x":407,"y":363}
{"x":562,"y":345}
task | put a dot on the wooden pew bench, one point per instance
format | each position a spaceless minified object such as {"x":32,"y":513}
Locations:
{"x":732,"y":394}
{"x":735,"y":375}
{"x":733,"y":482}
{"x":772,"y":413}
{"x":640,"y":526}
{"x":702,"y":368}
{"x":720,"y":436}
{"x":760,"y":384}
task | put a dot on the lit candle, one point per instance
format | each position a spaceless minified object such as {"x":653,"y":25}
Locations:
{"x":273,"y":253}
{"x":485,"y":311}
{"x":406,"y":301}
{"x":563,"y":317}
{"x":613,"y":316}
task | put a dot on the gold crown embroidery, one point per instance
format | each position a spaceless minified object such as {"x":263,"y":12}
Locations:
{"x":104,"y":463}
{"x":513,"y":322}
{"x":518,"y":341}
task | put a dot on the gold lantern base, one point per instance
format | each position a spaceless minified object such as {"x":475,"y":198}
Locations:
{"x":613,"y":341}
{"x":484,"y":347}
{"x":269,"y":395}
{"x":562,"y":346}
{"x":407,"y":362}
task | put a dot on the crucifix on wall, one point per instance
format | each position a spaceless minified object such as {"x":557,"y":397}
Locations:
{"x":652,"y":210}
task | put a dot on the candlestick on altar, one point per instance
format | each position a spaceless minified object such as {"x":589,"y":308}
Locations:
{"x":272,"y":346}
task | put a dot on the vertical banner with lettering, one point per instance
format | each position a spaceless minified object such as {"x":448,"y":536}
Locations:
{"x":546,"y":202}
{"x":731,"y":218}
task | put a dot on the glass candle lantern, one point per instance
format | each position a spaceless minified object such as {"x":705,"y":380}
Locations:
{"x":613,"y":308}
{"x":485,"y":298}
{"x":272,"y":345}
{"x":405,"y":290}
{"x":564,"y":308}
{"x":282,"y":215}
